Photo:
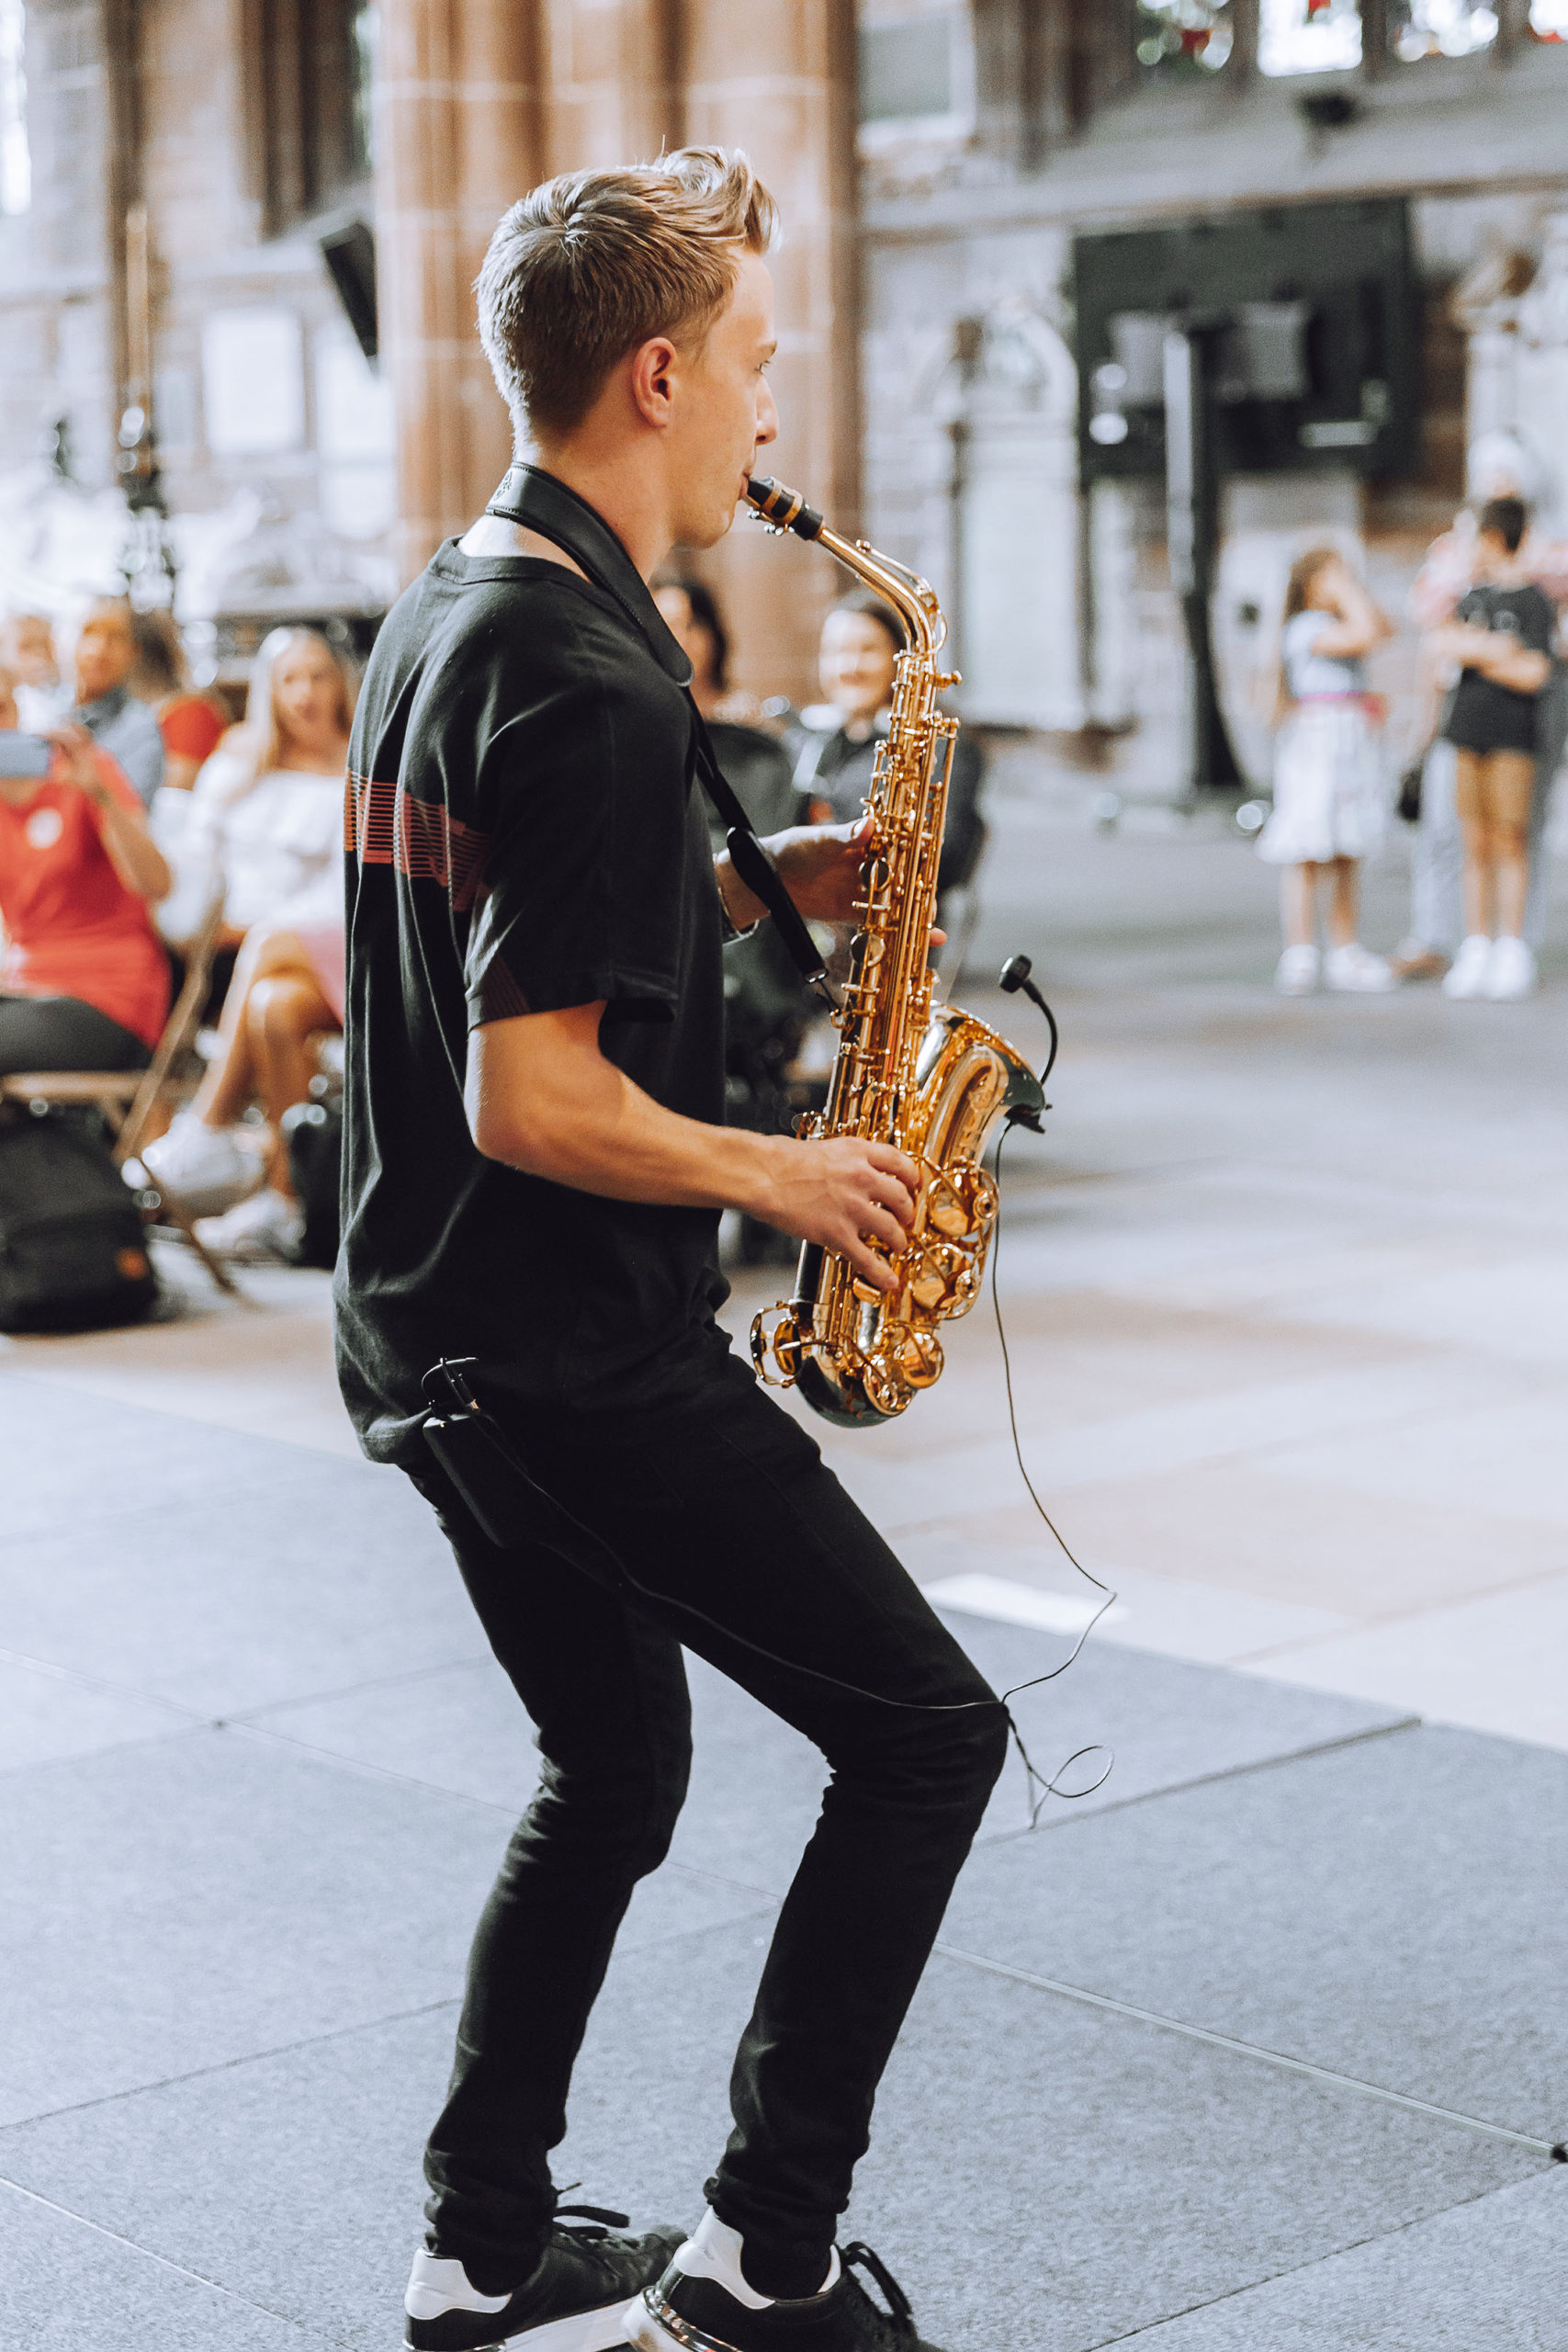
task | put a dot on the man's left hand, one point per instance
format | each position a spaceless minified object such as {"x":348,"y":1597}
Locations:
{"x":820,"y":866}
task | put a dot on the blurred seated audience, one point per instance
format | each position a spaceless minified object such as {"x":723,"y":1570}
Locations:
{"x":103,"y":657}
{"x":83,"y":980}
{"x":267,"y":822}
{"x":264,"y":819}
{"x":285,"y":993}
{"x":836,"y":740}
{"x":27,"y":651}
{"x":191,"y":725}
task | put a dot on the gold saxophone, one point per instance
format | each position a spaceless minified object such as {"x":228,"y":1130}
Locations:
{"x":932,"y":1080}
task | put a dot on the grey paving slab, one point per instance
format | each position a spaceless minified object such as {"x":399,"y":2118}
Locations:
{"x":1392,"y":1910}
{"x":756,"y":1785}
{"x":45,"y":1713}
{"x":193,"y":1900}
{"x":311,"y":1575}
{"x":65,"y":2286}
{"x":1487,"y":2276}
{"x":1041,"y":2178}
{"x":71,"y":1458}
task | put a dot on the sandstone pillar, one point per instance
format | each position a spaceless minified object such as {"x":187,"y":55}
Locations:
{"x":458,"y":123}
{"x":613,"y":70}
{"x":777,"y":78}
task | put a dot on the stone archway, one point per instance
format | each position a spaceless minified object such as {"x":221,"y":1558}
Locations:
{"x":1010,"y":401}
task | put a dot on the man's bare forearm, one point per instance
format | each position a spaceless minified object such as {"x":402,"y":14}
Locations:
{"x":607,"y":1136}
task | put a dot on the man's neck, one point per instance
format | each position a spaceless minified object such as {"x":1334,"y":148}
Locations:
{"x":617,"y":482}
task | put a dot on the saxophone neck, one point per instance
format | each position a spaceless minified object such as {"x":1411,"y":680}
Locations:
{"x":913,"y":599}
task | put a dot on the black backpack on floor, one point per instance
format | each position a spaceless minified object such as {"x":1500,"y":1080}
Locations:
{"x":314,"y":1133}
{"x":72,"y":1253}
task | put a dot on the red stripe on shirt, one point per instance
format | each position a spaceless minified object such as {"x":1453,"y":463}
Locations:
{"x":385,"y":825}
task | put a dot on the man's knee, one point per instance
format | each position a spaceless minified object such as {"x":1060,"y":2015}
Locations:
{"x":622,"y":1821}
{"x":952,"y":1757}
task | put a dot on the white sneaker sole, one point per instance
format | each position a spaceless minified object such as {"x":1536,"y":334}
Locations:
{"x":595,"y":2331}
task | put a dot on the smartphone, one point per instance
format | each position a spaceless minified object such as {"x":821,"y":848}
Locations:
{"x":24,"y":755}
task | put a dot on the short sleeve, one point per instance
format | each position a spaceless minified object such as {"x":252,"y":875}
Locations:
{"x":581,"y":893}
{"x":1540,"y":622}
{"x":1302,"y":632}
{"x":191,"y":728}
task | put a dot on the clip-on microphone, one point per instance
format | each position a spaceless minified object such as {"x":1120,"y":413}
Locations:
{"x":1014,"y":975}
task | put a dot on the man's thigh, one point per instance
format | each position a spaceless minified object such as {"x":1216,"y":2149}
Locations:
{"x":604,"y":1685}
{"x":722,"y":1505}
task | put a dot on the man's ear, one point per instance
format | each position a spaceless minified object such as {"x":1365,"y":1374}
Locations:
{"x":653,"y":380}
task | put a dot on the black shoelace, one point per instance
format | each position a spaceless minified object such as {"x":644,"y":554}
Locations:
{"x":599,"y":2218}
{"x":899,"y":2315}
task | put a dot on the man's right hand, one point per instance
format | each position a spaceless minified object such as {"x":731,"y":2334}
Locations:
{"x":853,"y":1197}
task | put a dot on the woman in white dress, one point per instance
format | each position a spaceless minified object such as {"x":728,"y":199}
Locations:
{"x":1330,"y":799}
{"x":267,"y":818}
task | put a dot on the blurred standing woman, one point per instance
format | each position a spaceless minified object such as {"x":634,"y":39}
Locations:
{"x":1329,"y":798}
{"x":83,"y":981}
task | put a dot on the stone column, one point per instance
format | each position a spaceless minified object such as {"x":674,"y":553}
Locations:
{"x":458,"y":138}
{"x":777,"y":78}
{"x":613,"y":70}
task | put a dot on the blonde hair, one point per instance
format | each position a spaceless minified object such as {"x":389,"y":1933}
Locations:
{"x":255,"y":744}
{"x":591,"y":264}
{"x":1298,"y":588}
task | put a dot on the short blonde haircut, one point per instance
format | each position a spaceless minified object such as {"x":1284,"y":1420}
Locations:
{"x":591,"y":264}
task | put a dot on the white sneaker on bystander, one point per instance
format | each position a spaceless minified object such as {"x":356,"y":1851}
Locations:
{"x":1466,"y":976}
{"x":1510,"y":972}
{"x":202,"y":1169}
{"x":1296,"y":971}
{"x":1355,"y":970}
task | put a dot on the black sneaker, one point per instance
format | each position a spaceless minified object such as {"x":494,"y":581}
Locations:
{"x":682,"y":2314}
{"x":570,"y":2301}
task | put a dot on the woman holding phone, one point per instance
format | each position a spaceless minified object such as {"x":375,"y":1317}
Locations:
{"x":83,"y":980}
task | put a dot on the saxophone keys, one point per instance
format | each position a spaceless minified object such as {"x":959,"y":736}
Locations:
{"x":776,"y":1340}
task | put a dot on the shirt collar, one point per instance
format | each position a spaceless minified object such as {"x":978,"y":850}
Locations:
{"x":105,"y":708}
{"x":543,"y":503}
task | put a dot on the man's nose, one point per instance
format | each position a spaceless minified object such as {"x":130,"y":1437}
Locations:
{"x":767,"y":416}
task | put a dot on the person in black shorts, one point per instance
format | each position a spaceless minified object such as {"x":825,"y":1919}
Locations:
{"x":535,"y":1164}
{"x":1501,"y":636}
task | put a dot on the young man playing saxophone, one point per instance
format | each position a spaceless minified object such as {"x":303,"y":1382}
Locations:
{"x":535,"y":1165}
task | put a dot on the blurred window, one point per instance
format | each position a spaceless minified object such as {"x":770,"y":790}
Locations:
{"x":311,"y":61}
{"x":1308,"y":36}
{"x":1184,"y":37}
{"x":917,"y":67}
{"x":16,"y":165}
{"x":1419,"y":28}
{"x":365,"y":20}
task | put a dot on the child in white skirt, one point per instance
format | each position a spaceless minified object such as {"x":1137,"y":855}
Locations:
{"x":1330,"y":801}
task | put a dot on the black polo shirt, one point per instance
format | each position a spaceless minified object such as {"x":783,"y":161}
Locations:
{"x":523,"y":834}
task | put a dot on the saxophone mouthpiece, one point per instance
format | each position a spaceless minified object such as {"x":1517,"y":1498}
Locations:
{"x":781,"y":508}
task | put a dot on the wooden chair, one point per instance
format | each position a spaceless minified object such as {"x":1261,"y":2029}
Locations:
{"x":128,"y":1098}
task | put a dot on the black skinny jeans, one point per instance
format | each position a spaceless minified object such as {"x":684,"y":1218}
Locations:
{"x":723,"y":1501}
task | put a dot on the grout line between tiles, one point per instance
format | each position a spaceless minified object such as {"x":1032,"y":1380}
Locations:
{"x":1060,"y":1819}
{"x":1299,"y":2269}
{"x":180,"y":2269}
{"x":1255,"y":2051}
{"x":226,"y":2067}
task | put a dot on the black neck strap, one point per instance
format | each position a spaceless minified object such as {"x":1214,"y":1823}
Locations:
{"x":538,"y":501}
